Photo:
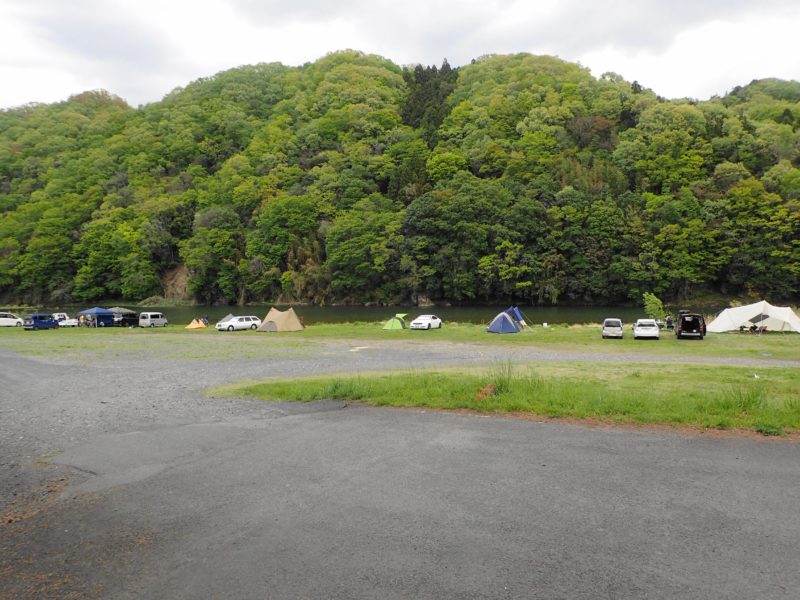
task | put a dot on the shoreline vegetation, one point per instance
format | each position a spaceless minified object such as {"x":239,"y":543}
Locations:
{"x":709,"y":301}
{"x":726,"y":382}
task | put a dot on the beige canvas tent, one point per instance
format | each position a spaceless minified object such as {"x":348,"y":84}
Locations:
{"x":277,"y":320}
{"x":761,"y":315}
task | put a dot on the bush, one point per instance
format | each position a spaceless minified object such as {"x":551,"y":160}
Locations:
{"x":653,"y":307}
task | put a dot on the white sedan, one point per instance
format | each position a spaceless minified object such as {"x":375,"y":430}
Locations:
{"x":426,"y":322}
{"x":10,"y":320}
{"x":238,"y":324}
{"x":645,"y":328}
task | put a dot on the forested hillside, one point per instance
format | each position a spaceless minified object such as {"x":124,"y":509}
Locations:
{"x":515,"y":178}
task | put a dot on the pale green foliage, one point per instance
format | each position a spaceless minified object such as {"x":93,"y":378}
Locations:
{"x":653,"y":307}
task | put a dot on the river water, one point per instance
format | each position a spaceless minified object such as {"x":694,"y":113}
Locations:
{"x":347,"y":314}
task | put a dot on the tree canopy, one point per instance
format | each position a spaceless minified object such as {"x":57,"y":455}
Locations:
{"x":352,"y":179}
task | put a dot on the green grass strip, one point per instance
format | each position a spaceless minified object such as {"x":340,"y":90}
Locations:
{"x":714,"y":397}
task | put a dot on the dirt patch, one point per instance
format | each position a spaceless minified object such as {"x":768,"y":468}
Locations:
{"x":29,"y":506}
{"x":43,"y":551}
{"x":175,"y":283}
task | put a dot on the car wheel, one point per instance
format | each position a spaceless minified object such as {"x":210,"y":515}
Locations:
{"x":429,"y":325}
{"x":253,"y":327}
{"x":18,"y":324}
{"x":230,"y":327}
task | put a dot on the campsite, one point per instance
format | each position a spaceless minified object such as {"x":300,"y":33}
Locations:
{"x":564,"y":426}
{"x":652,"y":369}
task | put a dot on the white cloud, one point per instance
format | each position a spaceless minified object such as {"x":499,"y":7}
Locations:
{"x":709,"y":59}
{"x":50,"y":49}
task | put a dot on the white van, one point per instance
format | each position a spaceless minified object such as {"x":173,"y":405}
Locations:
{"x":152,"y":319}
{"x":612,"y":328}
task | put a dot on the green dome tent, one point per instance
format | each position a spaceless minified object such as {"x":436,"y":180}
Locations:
{"x":396,"y":322}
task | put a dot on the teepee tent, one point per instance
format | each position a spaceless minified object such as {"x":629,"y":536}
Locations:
{"x":396,"y":322}
{"x":503,"y":323}
{"x":277,"y":320}
{"x":760,"y":314}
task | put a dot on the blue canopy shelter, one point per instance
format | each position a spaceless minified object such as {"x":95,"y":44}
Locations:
{"x":100,"y":317}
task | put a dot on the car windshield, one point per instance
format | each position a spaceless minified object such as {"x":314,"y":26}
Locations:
{"x":613,"y":323}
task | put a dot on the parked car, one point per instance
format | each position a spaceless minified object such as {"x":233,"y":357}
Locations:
{"x":64,"y":320}
{"x":39,"y":321}
{"x":612,"y":328}
{"x":239,"y":323}
{"x":152,"y":319}
{"x":10,"y":320}
{"x":690,"y":325}
{"x":127,"y":320}
{"x":426,"y":322}
{"x":646,"y":328}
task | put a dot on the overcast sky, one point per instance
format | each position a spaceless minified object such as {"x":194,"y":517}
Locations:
{"x":142,"y":49}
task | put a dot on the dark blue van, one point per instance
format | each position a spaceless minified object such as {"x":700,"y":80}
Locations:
{"x":39,"y":321}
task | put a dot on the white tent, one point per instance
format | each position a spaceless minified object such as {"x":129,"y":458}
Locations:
{"x":760,"y":314}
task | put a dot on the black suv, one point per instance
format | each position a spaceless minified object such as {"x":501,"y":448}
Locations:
{"x":126,"y":320}
{"x":690,"y":325}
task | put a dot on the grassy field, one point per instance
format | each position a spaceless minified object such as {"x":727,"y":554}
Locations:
{"x":721,"y":397}
{"x":633,"y":388}
{"x":579,"y":338}
{"x":180,"y":342}
{"x":83,"y":345}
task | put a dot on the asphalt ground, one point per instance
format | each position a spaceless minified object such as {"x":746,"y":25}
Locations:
{"x":128,"y":481}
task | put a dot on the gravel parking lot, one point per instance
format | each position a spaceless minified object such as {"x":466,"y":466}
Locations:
{"x":122,"y":479}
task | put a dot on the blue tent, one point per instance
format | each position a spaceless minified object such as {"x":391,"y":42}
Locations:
{"x":503,"y":323}
{"x":514,"y":313}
